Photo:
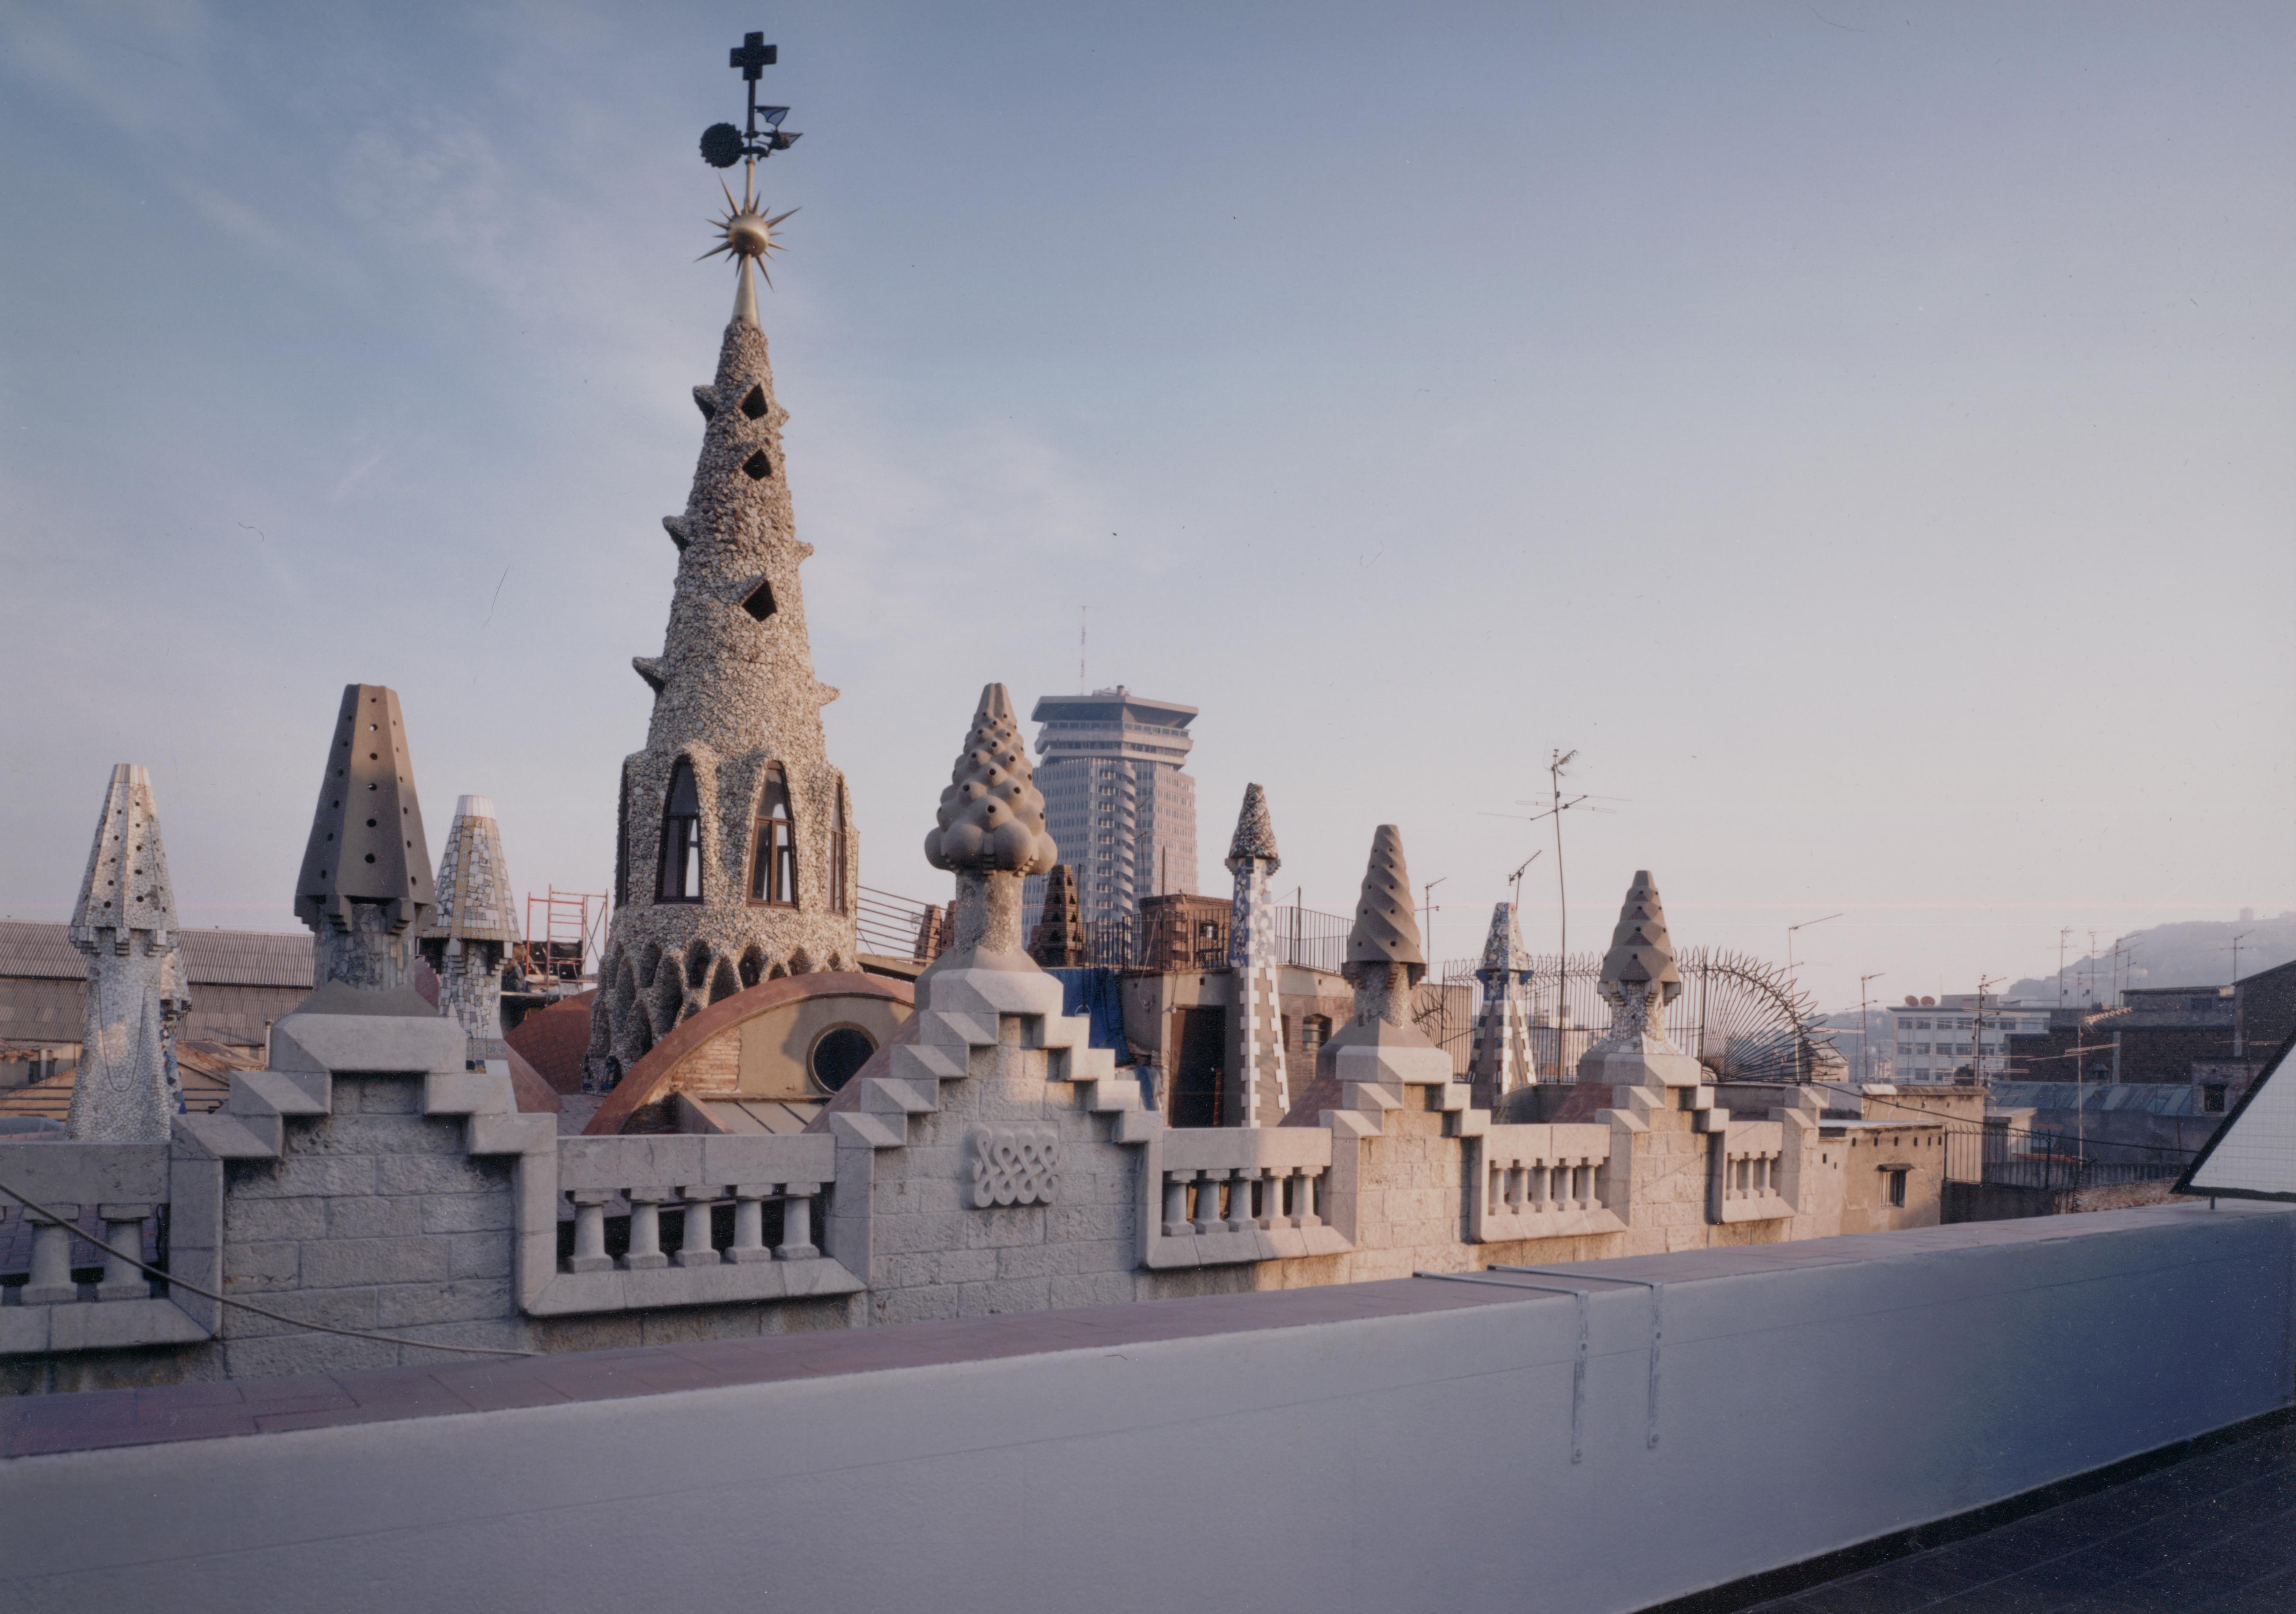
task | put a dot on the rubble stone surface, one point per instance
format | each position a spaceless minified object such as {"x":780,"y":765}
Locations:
{"x":736,"y":700}
{"x":125,"y":923}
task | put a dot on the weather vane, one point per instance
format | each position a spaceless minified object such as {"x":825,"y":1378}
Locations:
{"x":747,"y":234}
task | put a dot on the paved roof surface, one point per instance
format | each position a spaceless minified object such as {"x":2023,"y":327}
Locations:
{"x":2212,"y":1530}
{"x":38,"y":951}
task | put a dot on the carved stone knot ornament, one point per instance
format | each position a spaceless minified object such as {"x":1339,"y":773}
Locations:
{"x":1015,"y":1166}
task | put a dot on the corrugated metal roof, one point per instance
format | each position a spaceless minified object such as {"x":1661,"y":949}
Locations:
{"x":30,"y":950}
{"x":2156,"y":1098}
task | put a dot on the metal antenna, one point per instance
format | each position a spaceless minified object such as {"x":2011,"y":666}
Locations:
{"x":2236,"y":940}
{"x":1790,"y":936}
{"x":1978,"y":1045}
{"x":1865,"y":1046}
{"x":1515,"y":880}
{"x":722,"y":144}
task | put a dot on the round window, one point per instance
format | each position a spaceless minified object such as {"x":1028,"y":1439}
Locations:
{"x":837,"y":1053}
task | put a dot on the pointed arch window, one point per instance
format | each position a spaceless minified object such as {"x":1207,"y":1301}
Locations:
{"x":840,"y":899}
{"x":773,"y":865}
{"x":680,"y":876}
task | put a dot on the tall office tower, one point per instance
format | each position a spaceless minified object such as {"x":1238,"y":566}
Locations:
{"x":1117,"y":800}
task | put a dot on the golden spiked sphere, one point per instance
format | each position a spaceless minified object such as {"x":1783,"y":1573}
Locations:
{"x":748,"y":234}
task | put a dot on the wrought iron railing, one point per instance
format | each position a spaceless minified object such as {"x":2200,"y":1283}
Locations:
{"x":2008,"y":1157}
{"x":889,"y":925}
{"x":1740,"y":1015}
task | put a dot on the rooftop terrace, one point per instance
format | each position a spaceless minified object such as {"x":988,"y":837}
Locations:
{"x":1605,"y":1436}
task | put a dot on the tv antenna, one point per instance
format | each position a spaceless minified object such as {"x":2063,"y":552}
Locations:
{"x":1515,"y":880}
{"x":1790,"y":936}
{"x":1865,"y":1046}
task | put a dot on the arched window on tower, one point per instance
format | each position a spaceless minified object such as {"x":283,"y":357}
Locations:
{"x":680,"y":877}
{"x":773,"y":864}
{"x":839,"y":899}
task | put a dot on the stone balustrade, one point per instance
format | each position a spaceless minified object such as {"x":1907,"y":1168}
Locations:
{"x":1542,"y":1182}
{"x":124,"y":1185}
{"x":1748,"y":1182}
{"x":763,"y":1249}
{"x":1217,"y":1195}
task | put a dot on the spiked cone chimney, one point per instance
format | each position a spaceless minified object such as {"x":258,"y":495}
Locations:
{"x":734,"y":758}
{"x":474,"y":928}
{"x":125,"y":922}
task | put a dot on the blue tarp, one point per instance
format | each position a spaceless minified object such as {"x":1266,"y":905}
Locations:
{"x":1093,"y":992}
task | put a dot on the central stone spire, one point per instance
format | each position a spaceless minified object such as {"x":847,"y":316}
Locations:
{"x":735,"y":859}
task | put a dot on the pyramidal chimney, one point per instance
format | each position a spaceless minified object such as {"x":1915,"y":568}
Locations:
{"x":365,"y":889}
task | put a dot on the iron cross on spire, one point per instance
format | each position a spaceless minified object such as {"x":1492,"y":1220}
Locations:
{"x":722,"y":144}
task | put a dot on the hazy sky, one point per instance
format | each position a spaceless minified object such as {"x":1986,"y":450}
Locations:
{"x":1862,"y":432}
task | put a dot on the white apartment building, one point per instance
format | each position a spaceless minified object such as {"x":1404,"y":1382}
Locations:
{"x":1936,"y":1039}
{"x":1118,"y":801}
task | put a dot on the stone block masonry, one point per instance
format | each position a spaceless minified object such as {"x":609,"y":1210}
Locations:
{"x":995,"y":1163}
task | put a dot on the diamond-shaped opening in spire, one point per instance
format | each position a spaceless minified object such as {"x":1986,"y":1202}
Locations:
{"x":753,"y":404}
{"x":760,"y":602}
{"x":757,"y":466}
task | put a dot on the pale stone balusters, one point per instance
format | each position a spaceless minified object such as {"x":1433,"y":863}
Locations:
{"x":1208,"y":1195}
{"x":1309,"y":1175}
{"x":589,"y":1231}
{"x":646,"y":1229}
{"x":750,"y":1222}
{"x":694,"y":1248}
{"x":797,"y":1222}
{"x":123,"y":1230}
{"x":1175,"y":1204}
{"x":51,"y":1280}
{"x":1239,"y":1198}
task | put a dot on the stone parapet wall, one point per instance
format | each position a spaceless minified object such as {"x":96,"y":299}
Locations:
{"x":997,"y":1163}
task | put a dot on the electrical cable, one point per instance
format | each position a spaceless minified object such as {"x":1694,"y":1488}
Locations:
{"x":174,"y":1281}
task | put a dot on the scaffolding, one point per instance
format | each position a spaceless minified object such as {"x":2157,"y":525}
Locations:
{"x":565,"y":934}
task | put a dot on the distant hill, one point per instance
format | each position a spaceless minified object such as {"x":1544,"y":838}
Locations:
{"x":2197,"y":953}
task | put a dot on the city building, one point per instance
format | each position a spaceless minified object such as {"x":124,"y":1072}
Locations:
{"x":1119,"y":802}
{"x":1941,"y":1039}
